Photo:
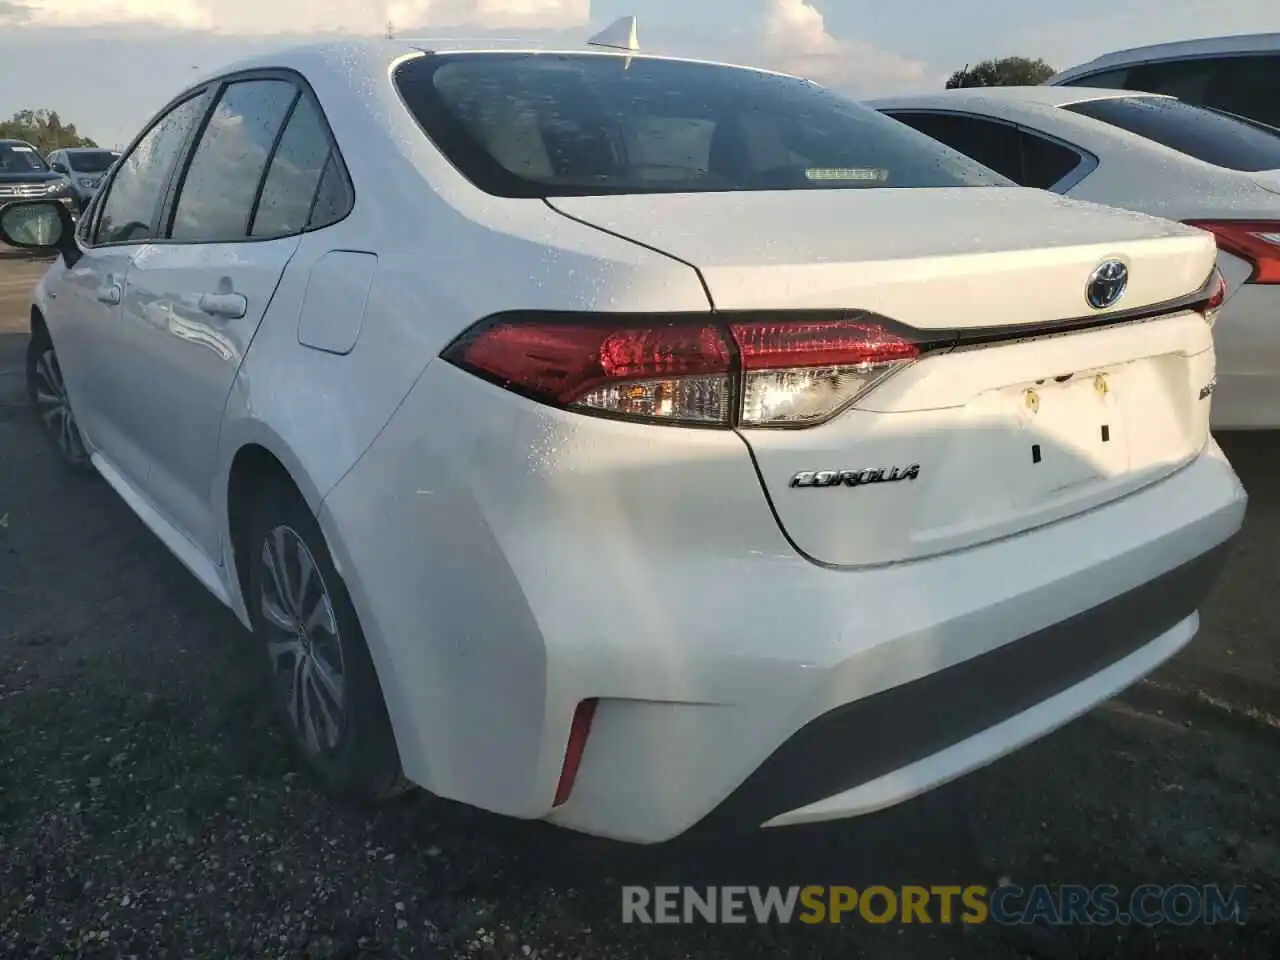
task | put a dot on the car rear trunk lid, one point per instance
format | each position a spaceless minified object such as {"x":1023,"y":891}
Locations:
{"x":1029,"y":407}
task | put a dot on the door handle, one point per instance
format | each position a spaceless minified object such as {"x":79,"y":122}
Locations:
{"x":110,"y":294}
{"x":229,"y":306}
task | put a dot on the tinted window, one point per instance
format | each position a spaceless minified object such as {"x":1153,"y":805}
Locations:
{"x":1110,"y":79}
{"x":1185,"y":79}
{"x":1045,"y":162}
{"x":143,"y":176}
{"x":994,"y":145}
{"x":544,"y":125}
{"x":19,"y":158}
{"x":1026,"y":159}
{"x":227,"y":166}
{"x":1203,"y":134}
{"x":91,"y":161}
{"x":1247,"y":86}
{"x":294,"y":176}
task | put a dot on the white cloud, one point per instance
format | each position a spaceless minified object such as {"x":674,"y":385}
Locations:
{"x":302,"y":16}
{"x":796,"y":40}
{"x":517,"y":14}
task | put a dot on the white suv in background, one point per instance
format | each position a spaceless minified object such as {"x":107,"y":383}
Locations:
{"x":85,"y":167}
{"x":633,"y":442}
{"x":1238,"y":75}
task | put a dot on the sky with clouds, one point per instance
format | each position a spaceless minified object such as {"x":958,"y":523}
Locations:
{"x":108,"y":64}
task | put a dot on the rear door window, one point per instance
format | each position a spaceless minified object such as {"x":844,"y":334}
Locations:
{"x":1212,"y":137}
{"x":218,"y":193}
{"x":572,"y":125}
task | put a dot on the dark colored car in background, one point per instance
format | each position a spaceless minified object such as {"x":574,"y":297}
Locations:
{"x":25,"y":175}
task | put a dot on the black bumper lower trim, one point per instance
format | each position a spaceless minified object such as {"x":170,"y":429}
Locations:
{"x":860,"y":741}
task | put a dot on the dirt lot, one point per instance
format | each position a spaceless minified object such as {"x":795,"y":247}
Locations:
{"x":148,"y":809}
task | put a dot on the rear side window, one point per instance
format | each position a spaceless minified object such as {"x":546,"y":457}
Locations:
{"x":1025,"y":158}
{"x":294,"y":176}
{"x":542,"y":125}
{"x":1203,"y":134}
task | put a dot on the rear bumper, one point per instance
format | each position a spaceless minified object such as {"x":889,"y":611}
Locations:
{"x":948,"y":722}
{"x":526,"y":559}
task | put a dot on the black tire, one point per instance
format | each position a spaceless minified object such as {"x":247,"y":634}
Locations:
{"x":49,"y":399}
{"x":355,"y":757}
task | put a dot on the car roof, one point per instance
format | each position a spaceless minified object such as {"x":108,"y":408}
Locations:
{"x":1035,"y":96}
{"x":1244,"y":43}
{"x":376,"y":54}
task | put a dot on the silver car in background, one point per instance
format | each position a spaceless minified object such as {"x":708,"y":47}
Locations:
{"x":85,"y":167}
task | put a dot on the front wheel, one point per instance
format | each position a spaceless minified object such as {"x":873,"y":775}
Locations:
{"x":324,"y":686}
{"x":48,"y":393}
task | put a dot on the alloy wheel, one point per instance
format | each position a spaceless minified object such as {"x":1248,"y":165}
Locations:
{"x":303,"y":641}
{"x":54,"y":407}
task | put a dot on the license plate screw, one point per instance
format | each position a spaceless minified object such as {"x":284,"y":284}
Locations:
{"x":1100,"y":384}
{"x":1033,"y":401}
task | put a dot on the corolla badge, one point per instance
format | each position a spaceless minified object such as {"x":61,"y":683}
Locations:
{"x":856,"y":477}
{"x":1107,"y":284}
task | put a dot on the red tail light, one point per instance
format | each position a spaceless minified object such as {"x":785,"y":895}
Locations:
{"x":1257,"y":241}
{"x":750,"y":370}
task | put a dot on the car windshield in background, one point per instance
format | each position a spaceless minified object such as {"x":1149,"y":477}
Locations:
{"x":544,"y":125}
{"x":92,"y":161}
{"x":1204,"y":134}
{"x":20,"y":158}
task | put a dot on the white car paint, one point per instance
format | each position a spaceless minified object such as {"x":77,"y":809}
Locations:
{"x":1125,"y":170}
{"x":511,"y":559}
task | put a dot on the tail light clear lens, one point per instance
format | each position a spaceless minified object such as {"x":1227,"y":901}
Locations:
{"x":1257,"y":241}
{"x":750,"y":371}
{"x":1214,"y":304}
{"x":798,"y":373}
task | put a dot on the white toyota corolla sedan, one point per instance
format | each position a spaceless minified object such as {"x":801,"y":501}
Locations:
{"x":637,"y":443}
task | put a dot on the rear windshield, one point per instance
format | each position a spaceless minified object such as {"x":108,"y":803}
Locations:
{"x":545,"y":125}
{"x":19,"y":158}
{"x":1204,"y":134}
{"x":92,"y":161}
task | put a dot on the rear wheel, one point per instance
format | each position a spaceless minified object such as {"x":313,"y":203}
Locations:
{"x":48,"y":393}
{"x":322,"y":678}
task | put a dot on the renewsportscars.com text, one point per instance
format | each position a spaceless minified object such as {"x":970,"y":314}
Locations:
{"x":1008,"y":904}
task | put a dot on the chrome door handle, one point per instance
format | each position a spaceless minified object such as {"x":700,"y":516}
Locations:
{"x":110,"y":294}
{"x":230,"y":306}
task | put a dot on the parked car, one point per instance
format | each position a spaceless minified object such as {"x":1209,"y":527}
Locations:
{"x":1238,"y":75}
{"x":594,"y":438}
{"x":24,"y":174}
{"x":1156,"y":155}
{"x":85,"y":167}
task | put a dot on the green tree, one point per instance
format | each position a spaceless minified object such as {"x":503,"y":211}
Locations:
{"x":1003,"y":72}
{"x":43,"y":129}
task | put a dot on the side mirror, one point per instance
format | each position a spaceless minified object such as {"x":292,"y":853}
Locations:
{"x":60,"y":167}
{"x":43,"y":225}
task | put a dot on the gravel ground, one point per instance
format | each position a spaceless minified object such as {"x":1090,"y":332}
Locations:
{"x":148,"y":809}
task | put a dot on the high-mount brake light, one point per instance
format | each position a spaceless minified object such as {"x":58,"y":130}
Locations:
{"x":1257,"y":241}
{"x":748,"y":370}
